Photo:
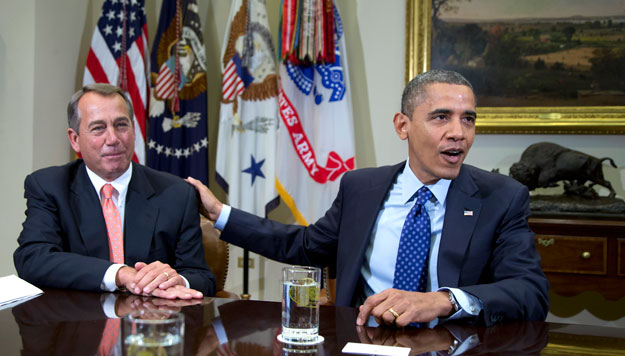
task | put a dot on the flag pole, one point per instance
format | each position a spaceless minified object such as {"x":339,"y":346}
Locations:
{"x":246,"y":274}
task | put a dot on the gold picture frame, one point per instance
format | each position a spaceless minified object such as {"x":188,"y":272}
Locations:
{"x":509,"y":120}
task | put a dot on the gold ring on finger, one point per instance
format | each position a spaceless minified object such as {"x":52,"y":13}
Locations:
{"x":166,"y":275}
{"x":395,"y":315}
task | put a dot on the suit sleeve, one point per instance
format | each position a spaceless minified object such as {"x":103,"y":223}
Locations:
{"x":515,"y":288}
{"x":314,"y":245}
{"x":189,"y":252}
{"x":41,"y":258}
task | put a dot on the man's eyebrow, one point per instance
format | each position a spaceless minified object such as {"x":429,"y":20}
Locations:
{"x":95,"y":122}
{"x":448,"y":111}
{"x":439,"y":111}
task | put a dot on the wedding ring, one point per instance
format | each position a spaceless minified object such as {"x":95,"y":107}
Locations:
{"x":166,"y":274}
{"x":395,"y":315}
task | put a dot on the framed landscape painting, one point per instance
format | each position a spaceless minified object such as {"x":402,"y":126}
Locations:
{"x":537,"y":66}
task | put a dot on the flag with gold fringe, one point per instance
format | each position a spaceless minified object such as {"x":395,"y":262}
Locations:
{"x":248,"y":118}
{"x":316,"y":141}
{"x":178,"y":126}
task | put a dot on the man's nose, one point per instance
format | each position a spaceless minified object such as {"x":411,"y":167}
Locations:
{"x":456,"y":129}
{"x":111,"y":136}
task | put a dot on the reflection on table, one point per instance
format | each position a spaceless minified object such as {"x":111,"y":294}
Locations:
{"x":71,"y":323}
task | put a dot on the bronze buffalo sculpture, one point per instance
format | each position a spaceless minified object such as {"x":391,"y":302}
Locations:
{"x":544,"y":164}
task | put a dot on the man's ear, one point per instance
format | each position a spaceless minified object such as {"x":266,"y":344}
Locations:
{"x":401,"y":123}
{"x":72,"y":136}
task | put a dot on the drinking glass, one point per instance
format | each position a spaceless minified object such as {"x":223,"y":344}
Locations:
{"x":153,"y":332}
{"x":300,"y":305}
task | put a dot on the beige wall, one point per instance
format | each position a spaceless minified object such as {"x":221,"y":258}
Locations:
{"x":43,"y":46}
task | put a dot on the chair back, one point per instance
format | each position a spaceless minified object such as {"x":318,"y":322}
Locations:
{"x":216,"y":252}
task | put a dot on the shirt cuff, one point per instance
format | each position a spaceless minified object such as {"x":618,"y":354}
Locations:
{"x":108,"y":282}
{"x":220,"y":224}
{"x":186,"y":282}
{"x":470,"y":306}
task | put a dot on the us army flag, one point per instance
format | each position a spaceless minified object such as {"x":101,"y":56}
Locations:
{"x":316,"y":141}
{"x":248,"y":118}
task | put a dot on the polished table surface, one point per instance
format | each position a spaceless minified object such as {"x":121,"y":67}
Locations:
{"x":71,"y":323}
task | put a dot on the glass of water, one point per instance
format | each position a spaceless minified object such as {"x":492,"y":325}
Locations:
{"x":153,"y":332}
{"x":300,"y":305}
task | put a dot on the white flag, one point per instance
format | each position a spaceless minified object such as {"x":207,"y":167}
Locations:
{"x":248,"y":119}
{"x":316,"y":141}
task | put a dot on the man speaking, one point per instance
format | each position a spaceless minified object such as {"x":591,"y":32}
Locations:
{"x":428,"y":238}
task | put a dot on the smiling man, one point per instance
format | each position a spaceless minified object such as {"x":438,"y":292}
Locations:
{"x":428,"y":238}
{"x":104,"y":223}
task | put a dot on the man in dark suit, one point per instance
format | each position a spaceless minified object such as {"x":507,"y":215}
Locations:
{"x":143,"y":236}
{"x":481,"y":262}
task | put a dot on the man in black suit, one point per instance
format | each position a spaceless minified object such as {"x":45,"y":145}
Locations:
{"x":66,"y":242}
{"x":481,"y":263}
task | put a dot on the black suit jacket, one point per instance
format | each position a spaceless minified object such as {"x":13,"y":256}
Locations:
{"x":489,"y":252}
{"x":64,"y":243}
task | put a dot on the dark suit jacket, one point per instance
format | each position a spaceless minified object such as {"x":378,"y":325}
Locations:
{"x":490,"y":254}
{"x":64,"y":242}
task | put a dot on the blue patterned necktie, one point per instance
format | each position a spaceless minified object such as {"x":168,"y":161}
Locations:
{"x":411,"y":267}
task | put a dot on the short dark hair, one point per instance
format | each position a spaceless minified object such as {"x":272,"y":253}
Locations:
{"x":73,"y":114}
{"x":414,"y":92}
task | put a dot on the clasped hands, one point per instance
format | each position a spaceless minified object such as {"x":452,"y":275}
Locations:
{"x":155,"y":279}
{"x":399,"y":307}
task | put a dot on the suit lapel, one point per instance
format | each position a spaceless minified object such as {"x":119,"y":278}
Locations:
{"x":364,"y":208}
{"x":140,"y":217}
{"x":461,"y":214}
{"x":369,"y":203}
{"x":87,"y":213}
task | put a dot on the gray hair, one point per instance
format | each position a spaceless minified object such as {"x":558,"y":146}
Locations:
{"x":414,"y":92}
{"x":73,"y":114}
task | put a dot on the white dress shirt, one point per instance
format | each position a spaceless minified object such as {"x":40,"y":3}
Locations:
{"x":378,"y":269}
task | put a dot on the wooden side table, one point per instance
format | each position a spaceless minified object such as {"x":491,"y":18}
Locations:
{"x":580,"y":254}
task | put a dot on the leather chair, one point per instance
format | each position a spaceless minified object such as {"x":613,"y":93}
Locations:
{"x":217,"y":254}
{"x":328,"y":293}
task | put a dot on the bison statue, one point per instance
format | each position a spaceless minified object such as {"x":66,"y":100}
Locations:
{"x":544,"y":164}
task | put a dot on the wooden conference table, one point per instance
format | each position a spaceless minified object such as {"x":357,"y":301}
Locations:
{"x":71,"y":323}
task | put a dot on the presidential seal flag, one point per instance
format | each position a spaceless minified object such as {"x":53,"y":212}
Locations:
{"x":178,"y":126}
{"x":316,"y":141}
{"x":248,"y":119}
{"x":118,"y":56}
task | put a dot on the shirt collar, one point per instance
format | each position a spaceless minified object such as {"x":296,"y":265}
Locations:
{"x":411,"y":184}
{"x":120,"y":184}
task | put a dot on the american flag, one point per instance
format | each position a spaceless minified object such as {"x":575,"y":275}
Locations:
{"x":165,"y":86}
{"x":235,"y":79}
{"x":118,"y":56}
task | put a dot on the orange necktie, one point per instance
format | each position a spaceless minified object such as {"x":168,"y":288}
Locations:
{"x":116,"y":255}
{"x":113,"y":225}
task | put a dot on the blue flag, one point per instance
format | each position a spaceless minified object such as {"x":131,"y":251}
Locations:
{"x":178,"y":124}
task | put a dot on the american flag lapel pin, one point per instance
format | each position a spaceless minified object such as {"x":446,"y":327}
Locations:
{"x":468,"y":213}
